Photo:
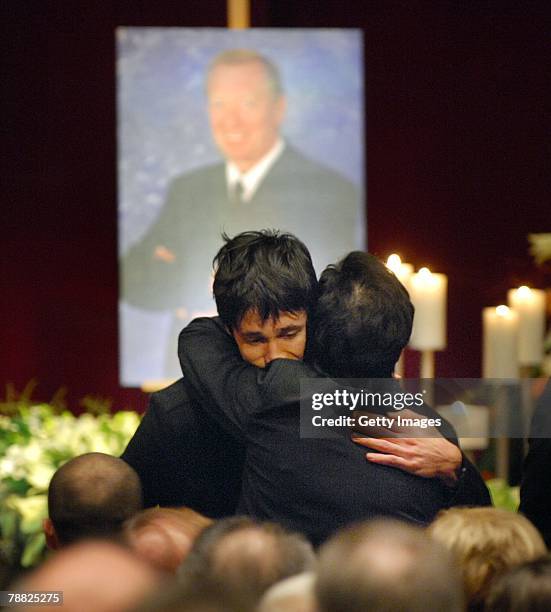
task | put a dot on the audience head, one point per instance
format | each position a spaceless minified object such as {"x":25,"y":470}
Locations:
{"x":525,"y":588}
{"x":164,"y":536}
{"x":486,"y":542}
{"x":294,"y":594}
{"x":95,"y":576}
{"x":384,"y":566}
{"x":265,"y":287}
{"x":363,"y":318}
{"x":90,"y":496}
{"x":244,"y":557}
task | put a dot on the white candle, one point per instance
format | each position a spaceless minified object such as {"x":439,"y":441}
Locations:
{"x":402,"y":271}
{"x":499,"y":348}
{"x":428,"y":292}
{"x":529,"y":304}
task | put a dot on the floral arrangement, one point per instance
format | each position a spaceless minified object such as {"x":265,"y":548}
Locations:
{"x":35,"y":440}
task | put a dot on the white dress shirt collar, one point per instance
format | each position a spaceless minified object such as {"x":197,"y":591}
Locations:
{"x":251,"y":179}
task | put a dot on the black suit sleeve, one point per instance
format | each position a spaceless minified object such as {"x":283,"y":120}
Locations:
{"x":146,"y":453}
{"x":470,"y":489}
{"x":183,"y":458}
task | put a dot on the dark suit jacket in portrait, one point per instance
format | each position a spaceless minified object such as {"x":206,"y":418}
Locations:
{"x":297,"y":195}
{"x":310,"y":485}
{"x":183,"y":457}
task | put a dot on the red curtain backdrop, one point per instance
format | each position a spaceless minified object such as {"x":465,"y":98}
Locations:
{"x":457,"y":164}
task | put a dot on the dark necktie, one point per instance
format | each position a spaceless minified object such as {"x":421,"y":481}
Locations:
{"x":237,"y":193}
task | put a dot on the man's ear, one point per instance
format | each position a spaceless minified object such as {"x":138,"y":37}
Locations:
{"x":49,"y":531}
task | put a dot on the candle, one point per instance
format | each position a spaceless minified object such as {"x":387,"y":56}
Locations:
{"x":529,"y":304}
{"x":428,"y":292}
{"x":499,"y":349}
{"x":402,"y":271}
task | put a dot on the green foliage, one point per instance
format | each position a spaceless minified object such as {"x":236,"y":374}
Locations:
{"x":35,"y":440}
{"x":503,"y":496}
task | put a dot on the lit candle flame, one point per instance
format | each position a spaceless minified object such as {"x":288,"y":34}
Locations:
{"x":502,"y":310}
{"x":524,"y":291}
{"x":394,"y":262}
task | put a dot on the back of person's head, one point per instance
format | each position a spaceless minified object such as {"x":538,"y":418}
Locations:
{"x":246,"y":557}
{"x":486,"y":542}
{"x":164,"y":536}
{"x":363,"y":318}
{"x":91,"y":496}
{"x":294,"y":594}
{"x":263,"y":271}
{"x":525,"y":588}
{"x":385,"y":566}
{"x":94,"y":576}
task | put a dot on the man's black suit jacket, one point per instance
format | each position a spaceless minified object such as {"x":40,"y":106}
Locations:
{"x":311,"y":485}
{"x":183,"y":457}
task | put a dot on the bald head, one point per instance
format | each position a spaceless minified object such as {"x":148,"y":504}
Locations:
{"x":95,"y":576}
{"x":247,"y":557}
{"x":384,"y":566}
{"x":91,"y":496}
{"x":164,"y":536}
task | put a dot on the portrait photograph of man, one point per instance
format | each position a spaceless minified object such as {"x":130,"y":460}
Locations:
{"x":220,"y":132}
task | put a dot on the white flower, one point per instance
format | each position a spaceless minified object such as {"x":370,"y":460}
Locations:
{"x":32,"y":510}
{"x":39,"y":476}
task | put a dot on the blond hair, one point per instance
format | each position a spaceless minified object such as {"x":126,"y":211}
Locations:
{"x":486,"y":542}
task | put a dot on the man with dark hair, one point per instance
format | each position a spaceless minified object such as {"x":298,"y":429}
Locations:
{"x":363,"y":319}
{"x":262,"y":181}
{"x":90,"y":496}
{"x":265,"y":286}
{"x":317,"y":485}
{"x":384,"y":566}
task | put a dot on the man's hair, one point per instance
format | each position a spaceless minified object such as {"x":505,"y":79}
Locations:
{"x":486,"y":543}
{"x":525,"y":588}
{"x":91,"y":496}
{"x":263,"y":271}
{"x":245,"y":557}
{"x":235,"y":57}
{"x":164,"y":536}
{"x":363,"y":318}
{"x":383,"y":566}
